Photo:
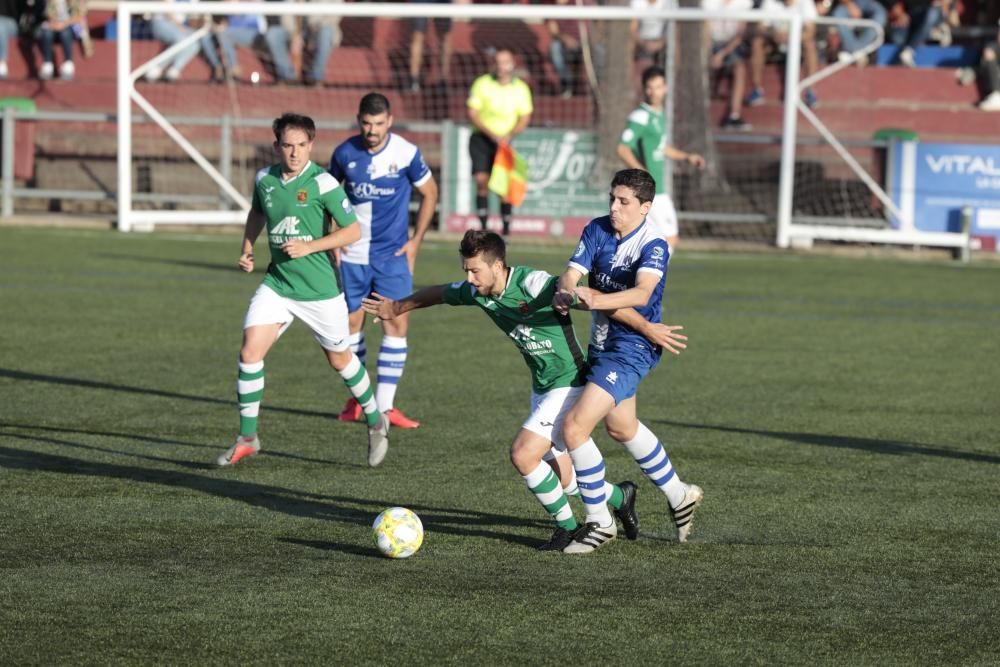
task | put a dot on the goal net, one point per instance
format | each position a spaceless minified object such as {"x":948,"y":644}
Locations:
{"x":198,"y":101}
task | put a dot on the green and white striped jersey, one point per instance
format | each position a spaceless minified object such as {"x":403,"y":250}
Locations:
{"x":524,"y":312}
{"x":297,"y":209}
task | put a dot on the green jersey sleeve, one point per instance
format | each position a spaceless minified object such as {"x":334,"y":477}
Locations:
{"x":635,"y":127}
{"x":460,"y":294}
{"x":335,"y":200}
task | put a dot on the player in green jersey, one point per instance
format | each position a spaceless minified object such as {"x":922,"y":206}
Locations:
{"x":643,"y":145}
{"x":295,"y":200}
{"x":519,"y":301}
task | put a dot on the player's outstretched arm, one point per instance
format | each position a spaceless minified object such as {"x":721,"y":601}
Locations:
{"x":338,"y":238}
{"x":387,"y":309}
{"x":251,"y":230}
{"x":664,"y":335}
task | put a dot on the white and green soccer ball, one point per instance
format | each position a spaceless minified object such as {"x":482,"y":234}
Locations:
{"x":398,"y":532}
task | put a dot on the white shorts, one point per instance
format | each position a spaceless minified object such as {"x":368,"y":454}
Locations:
{"x":327,"y":319}
{"x":662,"y":217}
{"x":547,"y":413}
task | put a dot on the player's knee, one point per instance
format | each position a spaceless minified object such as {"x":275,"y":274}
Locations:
{"x":574,"y":431}
{"x":339,"y":360}
{"x":620,"y":432}
{"x":250,"y":355}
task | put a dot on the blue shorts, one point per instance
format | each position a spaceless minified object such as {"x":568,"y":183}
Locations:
{"x":618,"y":374}
{"x":389,"y":276}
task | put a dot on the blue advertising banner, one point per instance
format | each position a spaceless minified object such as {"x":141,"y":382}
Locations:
{"x":931,"y":183}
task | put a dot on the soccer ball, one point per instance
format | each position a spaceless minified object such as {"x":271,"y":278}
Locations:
{"x":398,"y":532}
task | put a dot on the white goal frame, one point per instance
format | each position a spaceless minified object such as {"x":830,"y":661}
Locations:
{"x":787,"y":230}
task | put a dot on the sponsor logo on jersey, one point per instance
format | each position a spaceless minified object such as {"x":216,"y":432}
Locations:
{"x":268,"y":189}
{"x":526,"y":340}
{"x":393,"y":168}
{"x":288,"y":227}
{"x":657,"y":252}
{"x":368,"y":190}
{"x":346,"y":204}
{"x":612,"y":377}
{"x":606,"y":283}
{"x":579,"y":249}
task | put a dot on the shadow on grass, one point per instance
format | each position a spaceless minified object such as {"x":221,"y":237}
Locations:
{"x":357,"y":511}
{"x":228,"y":267}
{"x":895,"y":447}
{"x":91,"y":384}
{"x":355,"y":549}
{"x":207,"y":465}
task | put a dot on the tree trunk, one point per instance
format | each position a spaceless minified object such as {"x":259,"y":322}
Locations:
{"x":615,"y":95}
{"x":693,"y":124}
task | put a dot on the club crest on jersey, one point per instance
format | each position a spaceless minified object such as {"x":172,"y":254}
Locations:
{"x":371,"y":170}
{"x":579,"y":249}
{"x":352,"y":164}
{"x":302,"y":195}
{"x":393,"y":168}
{"x":657,"y":252}
{"x":523,"y":307}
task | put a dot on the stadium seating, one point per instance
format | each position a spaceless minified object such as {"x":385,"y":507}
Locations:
{"x":855,"y":103}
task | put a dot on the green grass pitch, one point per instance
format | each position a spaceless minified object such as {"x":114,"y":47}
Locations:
{"x":842,"y":415}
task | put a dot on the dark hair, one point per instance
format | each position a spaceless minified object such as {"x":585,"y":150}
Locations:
{"x":639,"y":181}
{"x":652,"y":72}
{"x":296,"y":121}
{"x":480,"y":241}
{"x":373,"y":104}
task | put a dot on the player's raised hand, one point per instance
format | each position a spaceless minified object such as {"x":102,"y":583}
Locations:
{"x":666,"y":336}
{"x":562,"y":301}
{"x":296,"y":248}
{"x":246,"y":262}
{"x":379,"y":306}
{"x":587,"y":296}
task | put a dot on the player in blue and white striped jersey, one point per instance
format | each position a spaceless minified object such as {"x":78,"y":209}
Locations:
{"x":379,"y":170}
{"x":625,"y":262}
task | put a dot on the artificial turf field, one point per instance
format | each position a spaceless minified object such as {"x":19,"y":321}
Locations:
{"x":842,"y":415}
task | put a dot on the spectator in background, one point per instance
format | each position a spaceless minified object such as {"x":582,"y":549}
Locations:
{"x":729,"y":53}
{"x":10,"y":16}
{"x":648,"y":33}
{"x":564,"y":45}
{"x":989,"y":66}
{"x":911,"y":22}
{"x":853,"y":40}
{"x":172,"y":28}
{"x":65,"y":19}
{"x":237,"y":30}
{"x":499,"y":108}
{"x":290,"y":37}
{"x":442,"y":26}
{"x":767,"y":37}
